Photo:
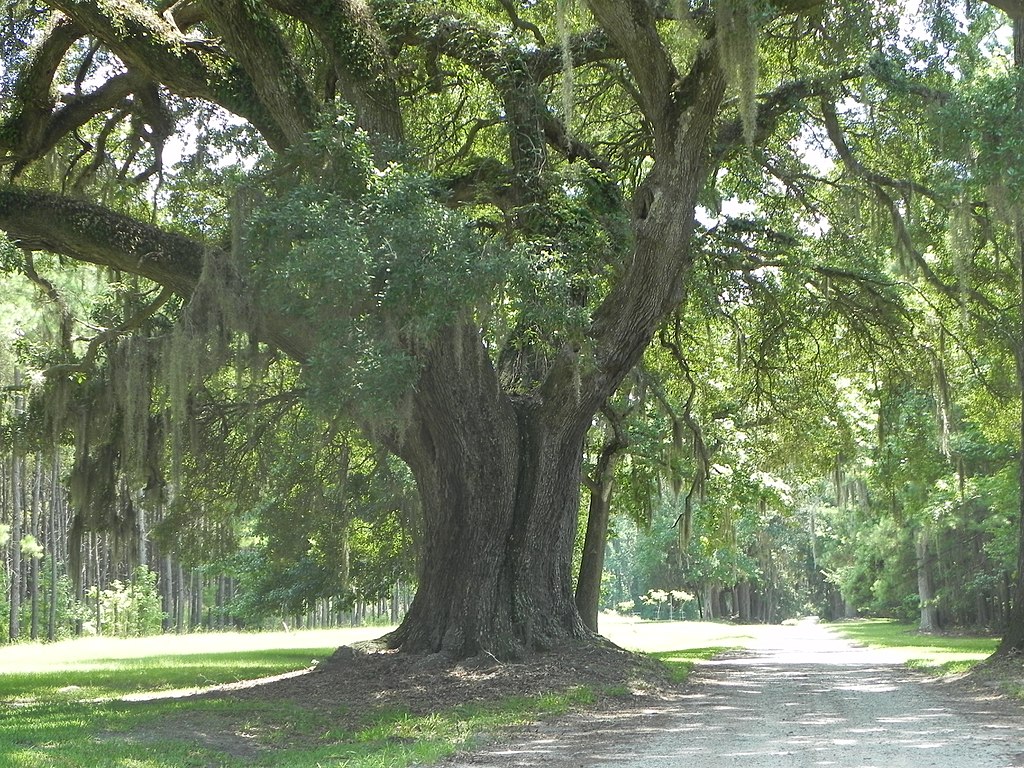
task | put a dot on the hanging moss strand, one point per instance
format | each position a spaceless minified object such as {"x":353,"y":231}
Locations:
{"x":736,"y":23}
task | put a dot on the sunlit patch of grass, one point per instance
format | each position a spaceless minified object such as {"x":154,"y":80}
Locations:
{"x":935,"y":653}
{"x":957,"y":667}
{"x":680,"y":663}
{"x":99,"y":668}
{"x":113,"y":677}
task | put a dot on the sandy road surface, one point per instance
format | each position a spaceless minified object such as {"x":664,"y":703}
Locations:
{"x":801,"y":696}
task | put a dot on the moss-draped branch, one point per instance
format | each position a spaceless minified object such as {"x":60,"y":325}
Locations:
{"x":43,"y":221}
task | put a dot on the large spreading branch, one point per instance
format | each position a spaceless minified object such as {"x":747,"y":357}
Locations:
{"x":631,"y":25}
{"x":154,"y":47}
{"x":255,"y":42}
{"x":43,"y":221}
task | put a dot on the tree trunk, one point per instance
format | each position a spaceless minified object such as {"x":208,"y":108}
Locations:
{"x":51,"y":546}
{"x":588,"y":584}
{"x":601,"y":485}
{"x":37,"y":503}
{"x":17,"y":513}
{"x":98,"y":581}
{"x":926,"y":582}
{"x":499,"y":483}
{"x":180,"y":598}
{"x":743,"y":602}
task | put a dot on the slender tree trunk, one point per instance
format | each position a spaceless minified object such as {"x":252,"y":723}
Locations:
{"x":195,"y":618}
{"x":166,"y":593}
{"x":17,"y":513}
{"x":926,"y":582}
{"x":588,"y":585}
{"x":97,"y":580}
{"x":51,"y":545}
{"x":601,"y":484}
{"x":180,"y":598}
{"x":37,"y":501}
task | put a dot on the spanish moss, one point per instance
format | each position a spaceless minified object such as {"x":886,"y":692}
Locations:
{"x":562,"y":10}
{"x":736,"y":24}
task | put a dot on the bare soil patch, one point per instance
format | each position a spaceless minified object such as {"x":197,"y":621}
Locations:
{"x":355,"y":683}
{"x":357,"y":686}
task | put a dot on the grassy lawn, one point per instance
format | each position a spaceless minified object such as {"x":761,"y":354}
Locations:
{"x":62,"y":706}
{"x":935,"y":653}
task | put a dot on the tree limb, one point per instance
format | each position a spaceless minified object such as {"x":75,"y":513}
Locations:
{"x":129,"y":324}
{"x":630,"y":24}
{"x":44,"y":221}
{"x":360,"y":57}
{"x":51,"y":293}
{"x":152,"y":46}
{"x":775,"y":105}
{"x":255,"y":41}
{"x":87,"y":232}
{"x":1012,"y":8}
{"x":33,"y":101}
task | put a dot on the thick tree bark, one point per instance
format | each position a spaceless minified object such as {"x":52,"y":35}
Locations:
{"x":499,"y":484}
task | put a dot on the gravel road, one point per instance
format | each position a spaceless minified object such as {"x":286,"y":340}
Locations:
{"x":800,"y":696}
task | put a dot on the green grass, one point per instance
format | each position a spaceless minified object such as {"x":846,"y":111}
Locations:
{"x":60,"y":707}
{"x":680,"y":663}
{"x":937,"y":654}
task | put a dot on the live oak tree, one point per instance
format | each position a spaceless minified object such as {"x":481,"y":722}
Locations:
{"x":464,"y":220}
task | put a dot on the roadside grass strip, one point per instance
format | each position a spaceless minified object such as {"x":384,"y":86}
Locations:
{"x":935,"y":653}
{"x":680,"y":663}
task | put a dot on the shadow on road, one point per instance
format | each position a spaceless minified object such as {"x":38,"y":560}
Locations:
{"x":802,"y":696}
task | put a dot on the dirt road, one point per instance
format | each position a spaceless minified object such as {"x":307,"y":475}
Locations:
{"x":801,"y":696}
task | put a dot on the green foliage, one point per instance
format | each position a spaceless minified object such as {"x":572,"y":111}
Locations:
{"x":992,"y":129}
{"x":372,"y":259}
{"x":131,"y":609}
{"x":30,"y":548}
